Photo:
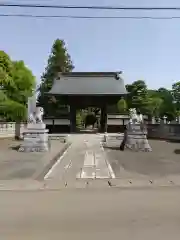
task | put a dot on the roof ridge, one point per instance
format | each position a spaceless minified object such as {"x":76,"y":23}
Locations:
{"x":90,"y":74}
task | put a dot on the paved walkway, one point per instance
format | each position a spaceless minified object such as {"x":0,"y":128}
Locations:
{"x":85,"y":159}
{"x":86,"y":164}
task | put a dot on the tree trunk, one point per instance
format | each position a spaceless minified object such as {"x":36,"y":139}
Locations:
{"x":18,"y":130}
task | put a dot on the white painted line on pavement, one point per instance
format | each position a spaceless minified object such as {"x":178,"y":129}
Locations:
{"x":111,"y":172}
{"x":78,"y":175}
{"x":89,"y":158}
{"x":85,"y":174}
{"x":88,"y":162}
{"x":102,"y":173}
{"x":56,"y":164}
{"x":87,"y":165}
{"x":68,"y":165}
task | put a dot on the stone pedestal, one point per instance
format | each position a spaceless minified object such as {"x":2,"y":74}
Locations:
{"x":35,"y":138}
{"x":136,"y":138}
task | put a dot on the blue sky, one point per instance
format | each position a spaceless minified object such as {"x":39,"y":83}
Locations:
{"x":142,"y":49}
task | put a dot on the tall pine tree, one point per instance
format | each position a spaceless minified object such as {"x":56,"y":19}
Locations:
{"x":58,"y":61}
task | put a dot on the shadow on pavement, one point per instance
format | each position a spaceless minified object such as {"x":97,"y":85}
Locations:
{"x":15,"y":148}
{"x":177,"y":151}
{"x":112,"y":148}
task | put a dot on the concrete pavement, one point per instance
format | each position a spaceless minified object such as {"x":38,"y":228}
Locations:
{"x":85,"y":159}
{"x":96,"y":193}
{"x":86,"y":164}
{"x":16,"y":165}
{"x":136,"y":214}
{"x":88,"y":159}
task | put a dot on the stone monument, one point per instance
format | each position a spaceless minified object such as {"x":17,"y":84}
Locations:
{"x":135,"y":136}
{"x":36,"y":134}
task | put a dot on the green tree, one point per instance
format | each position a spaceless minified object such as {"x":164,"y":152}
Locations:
{"x":155,"y":104}
{"x":122,"y":106}
{"x":138,"y":96}
{"x":78,"y":119}
{"x":6,"y":64}
{"x":16,"y":85}
{"x":23,"y":82}
{"x":6,"y":67}
{"x":176,"y":91}
{"x":176,"y":96}
{"x":167,"y":107}
{"x":59,"y":61}
{"x":90,"y":119}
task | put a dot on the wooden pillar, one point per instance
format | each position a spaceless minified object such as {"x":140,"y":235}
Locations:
{"x":72,"y":118}
{"x":103,"y":119}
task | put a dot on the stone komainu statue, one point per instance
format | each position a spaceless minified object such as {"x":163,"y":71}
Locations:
{"x":35,"y":114}
{"x":135,"y":136}
{"x":39,"y":114}
{"x":134,"y":117}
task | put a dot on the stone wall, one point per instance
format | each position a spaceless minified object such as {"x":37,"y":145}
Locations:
{"x":115,"y":125}
{"x":164,"y":131}
{"x":155,"y":131}
{"x":7,"y":129}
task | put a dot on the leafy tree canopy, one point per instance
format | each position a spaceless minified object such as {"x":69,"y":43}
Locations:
{"x":122,"y":106}
{"x":16,"y":85}
{"x":157,"y":103}
{"x":59,"y":61}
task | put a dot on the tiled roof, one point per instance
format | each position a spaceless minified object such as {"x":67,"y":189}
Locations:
{"x":88,"y":83}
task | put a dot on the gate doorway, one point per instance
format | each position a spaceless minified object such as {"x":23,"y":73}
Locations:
{"x":85,"y":90}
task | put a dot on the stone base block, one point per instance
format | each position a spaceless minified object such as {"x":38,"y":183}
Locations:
{"x":138,"y":143}
{"x":34,"y":148}
{"x":35,"y":142}
{"x":36,"y":126}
